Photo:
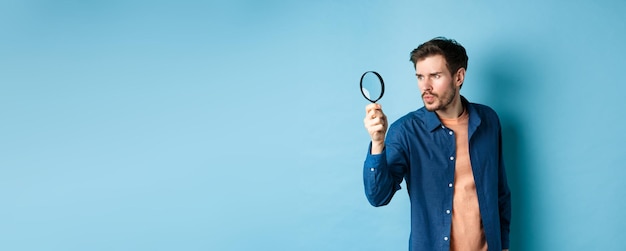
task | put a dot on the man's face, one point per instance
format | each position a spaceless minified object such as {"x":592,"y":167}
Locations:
{"x":436,"y":83}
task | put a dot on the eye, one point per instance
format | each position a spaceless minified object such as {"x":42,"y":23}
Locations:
{"x":437,"y":76}
{"x":420,"y":77}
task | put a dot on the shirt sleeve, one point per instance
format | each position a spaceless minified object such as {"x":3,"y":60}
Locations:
{"x":381,"y":177}
{"x":504,"y":200}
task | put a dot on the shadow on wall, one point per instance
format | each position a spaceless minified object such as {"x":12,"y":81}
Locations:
{"x":507,"y":75}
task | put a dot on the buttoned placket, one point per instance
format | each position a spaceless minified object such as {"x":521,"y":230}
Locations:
{"x":448,"y":212}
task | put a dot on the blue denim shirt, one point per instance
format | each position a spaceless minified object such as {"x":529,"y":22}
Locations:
{"x":420,"y":149}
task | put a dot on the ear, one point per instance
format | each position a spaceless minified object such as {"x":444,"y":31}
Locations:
{"x":459,"y":77}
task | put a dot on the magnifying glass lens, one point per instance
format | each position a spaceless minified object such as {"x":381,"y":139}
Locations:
{"x":372,"y":86}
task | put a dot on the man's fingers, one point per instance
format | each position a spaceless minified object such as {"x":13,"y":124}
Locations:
{"x":376,"y":122}
{"x":371,"y":114}
{"x":375,"y":114}
{"x":377,"y":128}
{"x":373,"y":107}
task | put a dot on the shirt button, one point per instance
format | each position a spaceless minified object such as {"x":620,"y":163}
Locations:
{"x":448,"y":211}
{"x":445,"y":238}
{"x":451,"y":132}
{"x":450,"y":185}
{"x":372,"y":169}
{"x":451,"y":157}
{"x":443,"y":127}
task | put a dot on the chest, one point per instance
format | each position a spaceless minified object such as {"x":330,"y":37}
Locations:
{"x":432,"y":155}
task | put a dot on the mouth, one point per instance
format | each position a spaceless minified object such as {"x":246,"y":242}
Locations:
{"x":428,"y":97}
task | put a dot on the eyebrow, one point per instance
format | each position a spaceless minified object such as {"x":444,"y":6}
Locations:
{"x":430,"y":74}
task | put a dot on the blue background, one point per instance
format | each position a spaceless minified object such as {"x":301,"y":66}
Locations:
{"x":237,"y":125}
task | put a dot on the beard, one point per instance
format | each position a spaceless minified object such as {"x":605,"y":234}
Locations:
{"x":440,"y":101}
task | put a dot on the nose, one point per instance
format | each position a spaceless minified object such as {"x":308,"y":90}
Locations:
{"x":425,"y":85}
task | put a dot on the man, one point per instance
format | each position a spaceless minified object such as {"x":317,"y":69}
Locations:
{"x":450,"y":154}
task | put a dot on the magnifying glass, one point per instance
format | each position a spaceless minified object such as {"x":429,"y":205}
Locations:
{"x":372,"y":86}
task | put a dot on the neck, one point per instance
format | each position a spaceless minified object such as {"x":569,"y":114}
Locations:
{"x":453,"y":110}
